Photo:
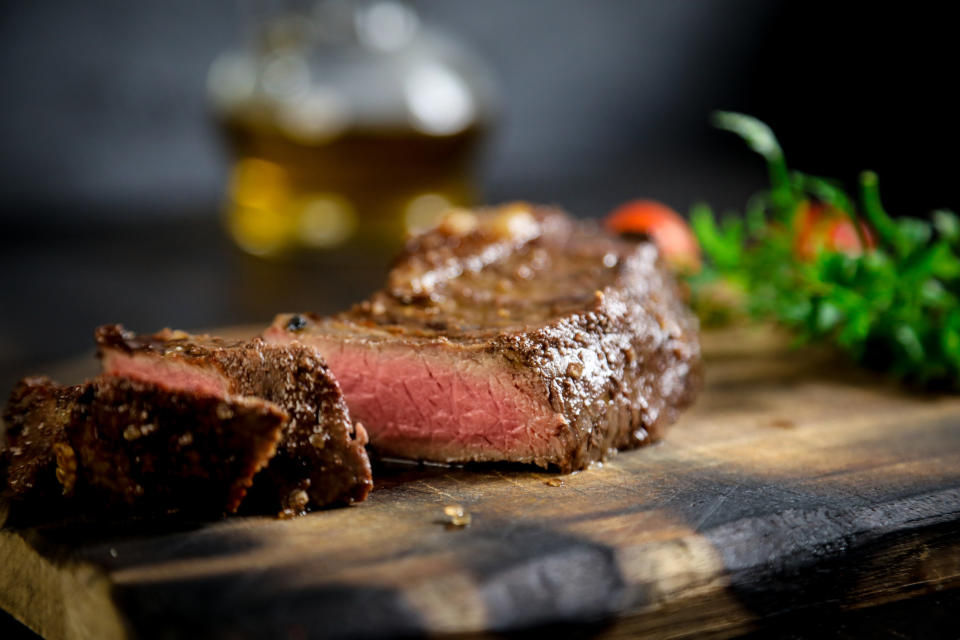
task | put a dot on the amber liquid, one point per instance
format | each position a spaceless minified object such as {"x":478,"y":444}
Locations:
{"x":359,"y":193}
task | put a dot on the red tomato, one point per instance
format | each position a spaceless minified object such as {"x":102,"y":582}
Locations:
{"x":665,"y":226}
{"x":819,"y":226}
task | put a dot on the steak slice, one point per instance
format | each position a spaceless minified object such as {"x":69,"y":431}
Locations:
{"x":119,"y":443}
{"x":516,"y":334}
{"x":35,"y":419}
{"x":320,"y":459}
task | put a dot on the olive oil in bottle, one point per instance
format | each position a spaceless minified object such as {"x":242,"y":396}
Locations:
{"x":362,"y":190}
{"x":347,"y":131}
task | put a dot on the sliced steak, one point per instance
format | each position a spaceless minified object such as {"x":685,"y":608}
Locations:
{"x":321,"y":457}
{"x":517,"y":335}
{"x":117,"y":443}
{"x":35,"y":419}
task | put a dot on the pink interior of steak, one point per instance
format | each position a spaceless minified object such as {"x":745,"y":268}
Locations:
{"x":426,"y":403}
{"x":164,"y":372}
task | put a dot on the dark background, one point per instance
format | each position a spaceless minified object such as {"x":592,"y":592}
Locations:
{"x":111,"y":171}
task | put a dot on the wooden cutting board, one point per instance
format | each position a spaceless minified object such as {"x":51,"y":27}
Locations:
{"x":794,"y":483}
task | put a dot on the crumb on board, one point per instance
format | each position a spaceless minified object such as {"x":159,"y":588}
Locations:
{"x":782,"y":423}
{"x":457,"y":515}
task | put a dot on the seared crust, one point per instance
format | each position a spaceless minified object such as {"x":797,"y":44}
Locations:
{"x":321,"y":457}
{"x":620,"y":370}
{"x":36,"y":418}
{"x":593,"y":325}
{"x":119,"y":444}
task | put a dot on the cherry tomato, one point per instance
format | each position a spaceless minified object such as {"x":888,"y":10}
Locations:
{"x":666,"y":227}
{"x":819,"y":226}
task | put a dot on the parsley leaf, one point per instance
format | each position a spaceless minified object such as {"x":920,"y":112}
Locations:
{"x":835,"y":268}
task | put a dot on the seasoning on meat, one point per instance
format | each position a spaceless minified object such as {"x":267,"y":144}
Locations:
{"x":518,"y":334}
{"x":320,"y":458}
{"x":114,"y":443}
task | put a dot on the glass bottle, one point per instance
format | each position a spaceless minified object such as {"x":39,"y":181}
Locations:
{"x":350,"y":124}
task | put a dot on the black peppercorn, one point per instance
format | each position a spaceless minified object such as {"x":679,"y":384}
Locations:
{"x":296,"y":323}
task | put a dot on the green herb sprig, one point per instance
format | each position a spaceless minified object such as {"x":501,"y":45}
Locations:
{"x":892,"y":303}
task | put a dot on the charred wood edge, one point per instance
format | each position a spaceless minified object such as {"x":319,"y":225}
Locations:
{"x":789,"y":566}
{"x":798,"y":562}
{"x":729,"y":579}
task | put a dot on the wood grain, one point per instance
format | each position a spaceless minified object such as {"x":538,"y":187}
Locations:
{"x":794,"y":484}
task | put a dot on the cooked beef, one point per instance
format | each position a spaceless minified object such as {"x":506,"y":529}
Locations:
{"x":36,"y":418}
{"x":514,"y":335}
{"x":321,"y":457}
{"x":117,"y":443}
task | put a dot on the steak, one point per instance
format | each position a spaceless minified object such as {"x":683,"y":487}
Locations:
{"x":117,"y":443}
{"x":320,"y":458}
{"x":515,"y":334}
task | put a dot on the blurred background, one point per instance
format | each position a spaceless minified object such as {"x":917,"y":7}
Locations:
{"x":145,"y":146}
